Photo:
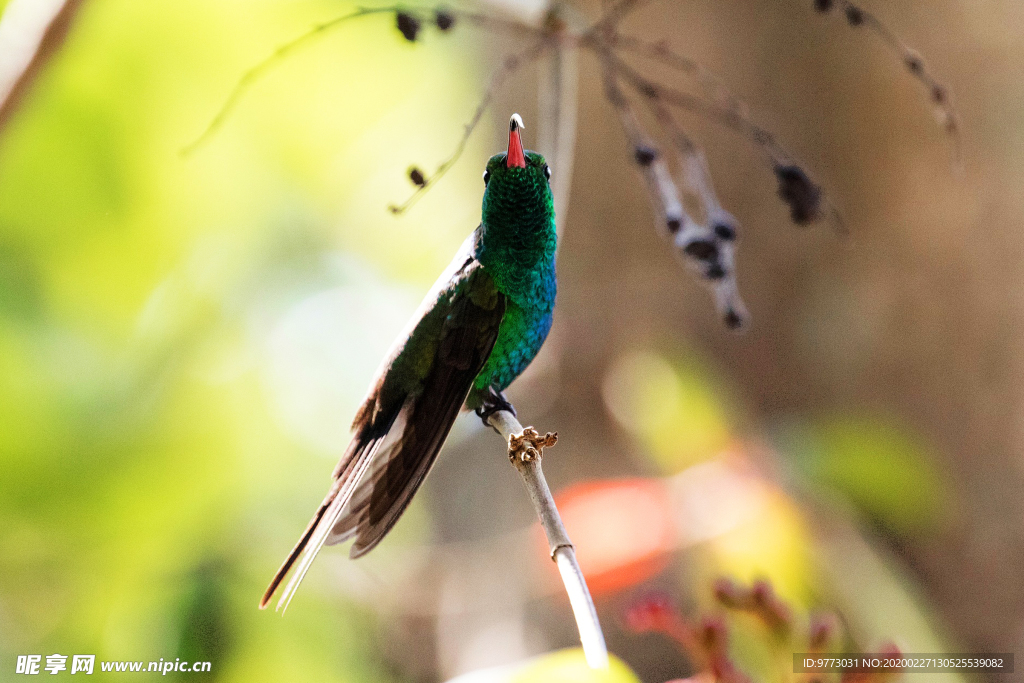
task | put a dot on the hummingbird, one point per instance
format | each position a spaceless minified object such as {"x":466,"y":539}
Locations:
{"x":478,"y":328}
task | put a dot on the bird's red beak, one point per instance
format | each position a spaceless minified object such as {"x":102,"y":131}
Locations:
{"x":515,"y":158}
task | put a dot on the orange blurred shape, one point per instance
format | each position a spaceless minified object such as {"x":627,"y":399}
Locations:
{"x":622,"y":529}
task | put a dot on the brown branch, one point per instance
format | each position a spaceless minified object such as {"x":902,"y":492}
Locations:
{"x":707,"y":248}
{"x":729,"y":118}
{"x":938,"y":94}
{"x":662,"y":190}
{"x":557,"y":105}
{"x":31,"y":33}
{"x":661,"y":52}
{"x":807,"y":205}
{"x":509,"y":65}
{"x":525,"y":450}
{"x":257,"y":71}
{"x":614,"y":14}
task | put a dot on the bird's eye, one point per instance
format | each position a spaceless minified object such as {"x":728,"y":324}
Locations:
{"x":547,"y":171}
{"x":487,"y":176}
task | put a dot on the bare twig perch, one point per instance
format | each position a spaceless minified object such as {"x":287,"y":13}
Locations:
{"x":525,"y":447}
{"x":706,"y":240}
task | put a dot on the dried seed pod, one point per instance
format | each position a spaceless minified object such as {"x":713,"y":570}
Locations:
{"x":723,"y":224}
{"x":645,"y":156}
{"x":733,"y":319}
{"x":715,"y":271}
{"x":801,"y":194}
{"x":444,"y":20}
{"x":702,"y":249}
{"x":823,"y":5}
{"x":854,"y":15}
{"x":417,"y":177}
{"x":408,"y":25}
{"x":914,"y":63}
{"x":725,"y":231}
{"x":730,"y":305}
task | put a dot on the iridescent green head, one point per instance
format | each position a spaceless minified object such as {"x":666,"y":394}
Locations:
{"x":517,"y":185}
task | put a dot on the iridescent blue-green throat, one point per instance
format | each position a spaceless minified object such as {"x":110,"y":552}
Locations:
{"x":516,"y":243}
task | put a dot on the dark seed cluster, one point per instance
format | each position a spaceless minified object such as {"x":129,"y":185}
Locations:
{"x":645,"y":156}
{"x":725,"y":231}
{"x":733,"y":320}
{"x":801,"y":194}
{"x":854,"y":15}
{"x":914,"y":64}
{"x":408,"y":25}
{"x":444,"y":20}
{"x":911,"y":60}
{"x":710,"y":251}
{"x":416,"y":177}
{"x":702,"y":250}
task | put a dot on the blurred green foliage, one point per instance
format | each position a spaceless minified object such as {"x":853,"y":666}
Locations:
{"x":879,"y":466}
{"x":145,"y":472}
{"x":677,"y":409}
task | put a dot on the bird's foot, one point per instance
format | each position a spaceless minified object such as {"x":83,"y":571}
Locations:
{"x":494,"y":402}
{"x":529,"y":445}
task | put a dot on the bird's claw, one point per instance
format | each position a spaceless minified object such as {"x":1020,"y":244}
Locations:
{"x":529,"y":445}
{"x":494,"y":402}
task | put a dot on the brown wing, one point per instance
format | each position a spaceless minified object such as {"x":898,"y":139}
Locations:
{"x":404,"y":421}
{"x":426,"y":419}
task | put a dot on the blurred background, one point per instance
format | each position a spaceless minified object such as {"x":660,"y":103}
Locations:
{"x":184,"y":341}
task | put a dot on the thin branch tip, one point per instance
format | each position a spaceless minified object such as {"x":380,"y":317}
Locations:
{"x":525,"y":447}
